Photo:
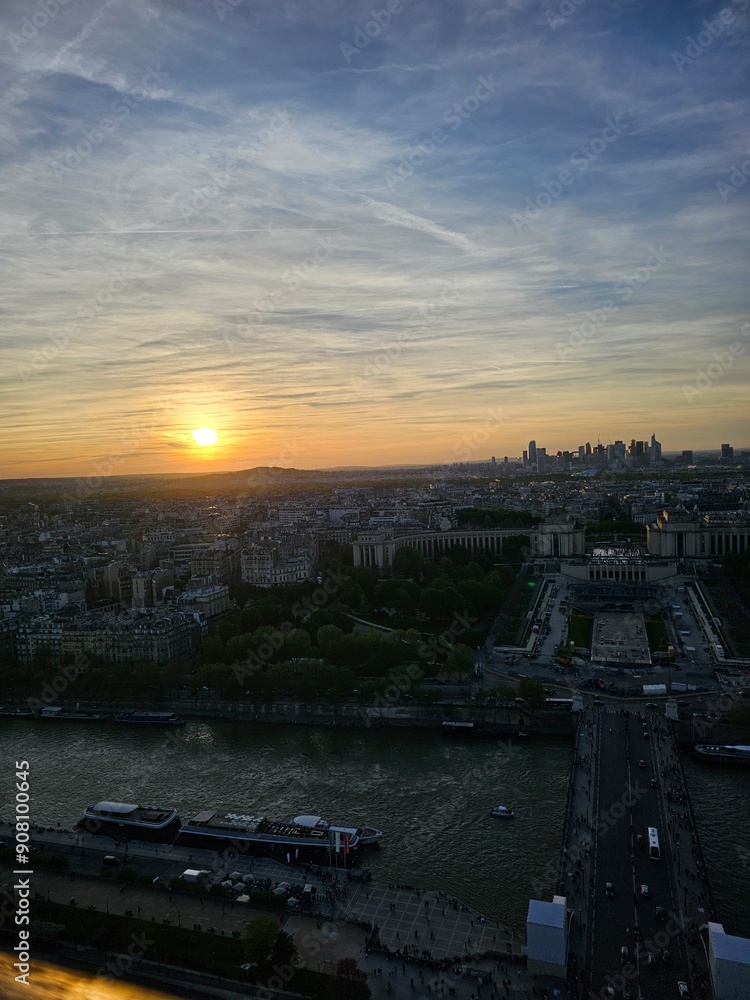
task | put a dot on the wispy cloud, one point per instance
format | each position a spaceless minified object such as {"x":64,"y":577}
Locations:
{"x":227,"y":311}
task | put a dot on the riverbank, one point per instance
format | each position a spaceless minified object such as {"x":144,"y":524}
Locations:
{"x":423,"y":936}
{"x":500,"y":723}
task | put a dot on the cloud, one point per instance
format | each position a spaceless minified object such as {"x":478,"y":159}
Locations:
{"x":185,"y":255}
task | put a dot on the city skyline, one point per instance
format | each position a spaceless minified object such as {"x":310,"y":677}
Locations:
{"x":357,"y":234}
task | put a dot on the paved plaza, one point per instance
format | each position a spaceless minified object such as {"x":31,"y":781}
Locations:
{"x":428,"y":924}
{"x":620,"y":638}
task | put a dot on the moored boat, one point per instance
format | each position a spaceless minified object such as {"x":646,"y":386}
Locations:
{"x":723,"y":754}
{"x":366,"y":835}
{"x":73,"y":715}
{"x":124,"y":821}
{"x":149,"y":718}
{"x":289,"y":841}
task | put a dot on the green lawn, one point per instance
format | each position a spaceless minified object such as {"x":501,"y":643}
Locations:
{"x":656,"y":631}
{"x":581,"y":628}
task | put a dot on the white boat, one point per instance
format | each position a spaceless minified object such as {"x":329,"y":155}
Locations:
{"x":502,"y":812}
{"x":366,"y":835}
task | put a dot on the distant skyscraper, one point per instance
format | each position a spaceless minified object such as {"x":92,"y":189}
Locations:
{"x":654,"y":451}
{"x":525,"y":458}
{"x":638,"y":453}
{"x":532,"y":453}
{"x":727,"y":453}
{"x":687,"y":456}
{"x":541,"y":459}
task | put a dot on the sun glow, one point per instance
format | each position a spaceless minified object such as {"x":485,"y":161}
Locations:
{"x":205,"y":436}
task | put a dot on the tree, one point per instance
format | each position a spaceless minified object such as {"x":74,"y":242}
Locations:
{"x":461,"y":660}
{"x":297,"y":645}
{"x":516,"y":549}
{"x":250,"y":619}
{"x":532,"y":692}
{"x":42,"y":659}
{"x":284,"y":950}
{"x":212,"y":650}
{"x":326,"y":637}
{"x":387,"y":592}
{"x":347,"y":968}
{"x":353,"y":595}
{"x":505,"y":694}
{"x":229,"y":627}
{"x":261,"y":936}
{"x":237,"y":647}
{"x":408,"y":562}
{"x":442,"y":603}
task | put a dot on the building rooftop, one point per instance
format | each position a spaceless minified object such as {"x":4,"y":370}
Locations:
{"x":547,"y":914}
{"x":728,"y":947}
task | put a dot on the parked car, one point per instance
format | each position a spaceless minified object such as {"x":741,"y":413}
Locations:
{"x":609,"y":890}
{"x":683,"y":990}
{"x":644,"y":891}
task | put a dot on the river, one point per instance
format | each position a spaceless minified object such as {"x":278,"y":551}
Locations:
{"x":430,"y":796}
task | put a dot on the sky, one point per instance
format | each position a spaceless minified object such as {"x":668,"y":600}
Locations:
{"x":369,"y":232}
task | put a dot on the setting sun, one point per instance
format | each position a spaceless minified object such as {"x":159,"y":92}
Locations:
{"x":205,"y":436}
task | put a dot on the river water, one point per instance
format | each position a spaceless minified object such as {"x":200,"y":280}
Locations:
{"x":430,"y":796}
